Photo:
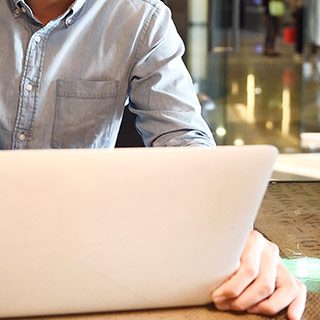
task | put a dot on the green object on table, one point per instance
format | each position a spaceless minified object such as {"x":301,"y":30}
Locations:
{"x":307,"y":270}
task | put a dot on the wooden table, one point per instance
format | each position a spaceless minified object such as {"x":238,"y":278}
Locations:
{"x":289,"y":216}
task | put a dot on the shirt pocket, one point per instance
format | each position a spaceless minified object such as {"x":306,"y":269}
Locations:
{"x":83,"y":113}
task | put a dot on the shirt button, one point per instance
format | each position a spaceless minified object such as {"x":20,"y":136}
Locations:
{"x":22,"y":137}
{"x":29,"y":87}
{"x":37,"y":39}
{"x":17,"y":11}
{"x":24,"y":10}
{"x":68,"y":21}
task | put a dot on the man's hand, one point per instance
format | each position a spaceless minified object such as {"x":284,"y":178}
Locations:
{"x":261,"y":285}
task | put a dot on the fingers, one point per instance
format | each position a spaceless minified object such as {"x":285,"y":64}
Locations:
{"x":264,"y":285}
{"x":246,"y":274}
{"x":296,"y":309}
{"x":290,"y":292}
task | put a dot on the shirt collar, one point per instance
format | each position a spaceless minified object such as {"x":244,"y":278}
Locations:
{"x":74,"y":11}
{"x":69,"y":16}
{"x":77,"y":6}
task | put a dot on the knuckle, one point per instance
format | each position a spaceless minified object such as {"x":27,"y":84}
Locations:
{"x":291,"y":281}
{"x":250,"y":271}
{"x":274,"y":249}
{"x":232,"y":293}
{"x":301,"y":287}
{"x":267,"y":289}
{"x":294,"y":284}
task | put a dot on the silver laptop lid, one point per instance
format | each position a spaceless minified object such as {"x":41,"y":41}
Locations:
{"x":99,"y":230}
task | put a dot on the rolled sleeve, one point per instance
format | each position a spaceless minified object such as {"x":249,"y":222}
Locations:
{"x":161,"y":90}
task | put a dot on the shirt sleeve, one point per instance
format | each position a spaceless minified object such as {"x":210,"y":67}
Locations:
{"x":161,"y":90}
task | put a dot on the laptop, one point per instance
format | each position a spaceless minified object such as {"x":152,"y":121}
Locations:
{"x":105,"y":230}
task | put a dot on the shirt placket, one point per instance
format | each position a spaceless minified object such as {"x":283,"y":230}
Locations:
{"x":29,"y":87}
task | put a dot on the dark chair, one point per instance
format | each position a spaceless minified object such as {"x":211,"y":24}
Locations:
{"x":128,"y":136}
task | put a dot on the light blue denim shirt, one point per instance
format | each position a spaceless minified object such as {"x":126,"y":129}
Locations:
{"x":65,"y":85}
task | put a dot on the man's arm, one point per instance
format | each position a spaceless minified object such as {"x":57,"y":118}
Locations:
{"x":169,"y":114}
{"x":164,"y":99}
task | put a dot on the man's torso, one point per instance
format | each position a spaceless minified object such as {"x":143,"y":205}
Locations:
{"x":73,"y":80}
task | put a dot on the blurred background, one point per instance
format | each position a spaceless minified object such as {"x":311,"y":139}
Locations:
{"x":256,"y":67}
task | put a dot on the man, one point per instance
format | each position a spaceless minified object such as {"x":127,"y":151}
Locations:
{"x":297,"y":11}
{"x":273,"y":22}
{"x":67,"y":69}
